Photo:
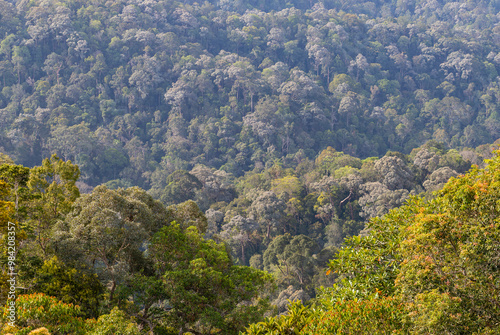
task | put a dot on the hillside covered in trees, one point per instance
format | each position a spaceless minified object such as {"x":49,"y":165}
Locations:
{"x":176,"y":167}
{"x":132,"y":91}
{"x":429,"y":267}
{"x":120,"y":262}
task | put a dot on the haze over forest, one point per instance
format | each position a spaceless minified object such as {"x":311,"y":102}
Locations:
{"x":176,"y":167}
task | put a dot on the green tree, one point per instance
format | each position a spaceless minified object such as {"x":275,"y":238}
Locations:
{"x":291,"y":259}
{"x":287,"y":187}
{"x":53,"y":188}
{"x":111,"y":162}
{"x":206,"y":292}
{"x":5,"y":159}
{"x":268,"y":211}
{"x":39,"y":310}
{"x":188,"y":214}
{"x":180,"y":186}
{"x":116,"y":322}
{"x":106,"y":230}
{"x":78,"y":287}
{"x":297,"y":319}
{"x":6,"y":212}
{"x":237,"y":231}
{"x":149,"y":302}
{"x":42,"y":314}
{"x":17,"y":176}
{"x":330,"y":160}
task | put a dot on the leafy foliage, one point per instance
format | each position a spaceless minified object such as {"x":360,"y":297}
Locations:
{"x":427,"y":267}
{"x":37,"y":310}
{"x":206,"y":293}
{"x":130,"y":94}
{"x":253,"y":121}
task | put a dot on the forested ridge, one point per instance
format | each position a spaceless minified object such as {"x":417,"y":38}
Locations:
{"x":133,"y":91}
{"x":184,"y":167}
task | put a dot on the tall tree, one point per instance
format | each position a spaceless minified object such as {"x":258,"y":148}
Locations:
{"x":205,"y":291}
{"x":268,"y":211}
{"x":53,"y":188}
{"x":107,"y":230}
{"x":238,"y":231}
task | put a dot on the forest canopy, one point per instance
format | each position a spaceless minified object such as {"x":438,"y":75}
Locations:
{"x":133,"y":91}
{"x":428,"y":267}
{"x":175,"y":167}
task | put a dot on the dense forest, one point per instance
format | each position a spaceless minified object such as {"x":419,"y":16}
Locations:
{"x":429,"y":267}
{"x":178,"y":167}
{"x":133,"y":91}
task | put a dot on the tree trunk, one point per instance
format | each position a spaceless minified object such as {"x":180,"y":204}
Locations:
{"x":112,"y":291}
{"x":251,"y":102}
{"x":243,"y":254}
